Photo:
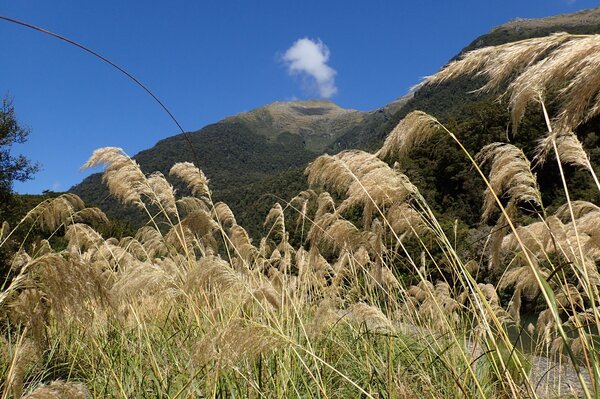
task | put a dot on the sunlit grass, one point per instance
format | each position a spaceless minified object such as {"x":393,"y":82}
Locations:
{"x":376,"y":300}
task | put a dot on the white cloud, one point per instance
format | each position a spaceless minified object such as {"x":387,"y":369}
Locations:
{"x":308,"y":58}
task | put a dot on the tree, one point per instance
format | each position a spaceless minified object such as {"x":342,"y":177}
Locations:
{"x":12,"y":168}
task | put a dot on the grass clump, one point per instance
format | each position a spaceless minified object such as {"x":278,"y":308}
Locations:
{"x":355,"y":289}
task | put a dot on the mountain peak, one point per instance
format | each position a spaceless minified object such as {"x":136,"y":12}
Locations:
{"x":317,"y":122}
{"x":313,"y":109}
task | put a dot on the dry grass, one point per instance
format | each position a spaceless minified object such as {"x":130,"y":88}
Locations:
{"x":381,"y":305}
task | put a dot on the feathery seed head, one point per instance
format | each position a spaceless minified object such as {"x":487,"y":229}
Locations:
{"x":162,"y":193}
{"x":81,"y":237}
{"x":52,"y":213}
{"x":404,"y":219}
{"x":122,"y":175}
{"x":276,"y":219}
{"x":152,"y":240}
{"x":325,"y":204}
{"x":235,"y":342}
{"x":89,"y":215}
{"x":191,"y":204}
{"x":580,"y":209}
{"x":561,"y":64}
{"x":194,"y":177}
{"x":371,"y":317}
{"x":4,"y":230}
{"x":416,"y":128}
{"x":510,"y":176}
{"x":569,"y":149}
{"x":224,"y":215}
{"x":498,"y":63}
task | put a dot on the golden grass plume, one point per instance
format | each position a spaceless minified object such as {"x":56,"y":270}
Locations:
{"x":510,"y":176}
{"x":122,"y":175}
{"x":414,"y":129}
{"x":194,"y":177}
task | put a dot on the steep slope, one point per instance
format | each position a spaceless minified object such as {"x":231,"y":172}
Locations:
{"x":374,"y":124}
{"x":453,"y":98}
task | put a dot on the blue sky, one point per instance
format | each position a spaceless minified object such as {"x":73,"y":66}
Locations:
{"x":210,"y":59}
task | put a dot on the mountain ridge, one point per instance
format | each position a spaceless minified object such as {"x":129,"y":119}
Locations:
{"x":582,"y":22}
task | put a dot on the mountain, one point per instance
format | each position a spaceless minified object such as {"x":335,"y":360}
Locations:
{"x":317,"y":123}
{"x":246,"y":156}
{"x":255,"y":158}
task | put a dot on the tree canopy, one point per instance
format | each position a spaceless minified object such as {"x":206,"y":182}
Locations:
{"x":12,"y":168}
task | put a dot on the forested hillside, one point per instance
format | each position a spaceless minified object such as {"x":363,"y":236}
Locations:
{"x":264,"y":152}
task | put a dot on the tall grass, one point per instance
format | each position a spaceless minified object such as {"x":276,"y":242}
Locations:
{"x":383,"y":304}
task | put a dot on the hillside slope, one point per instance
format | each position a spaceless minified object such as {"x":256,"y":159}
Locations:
{"x":243,"y":155}
{"x":439,"y":168}
{"x":255,"y":157}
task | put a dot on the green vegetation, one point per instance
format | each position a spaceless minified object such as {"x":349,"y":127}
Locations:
{"x":242,"y":167}
{"x":12,"y":168}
